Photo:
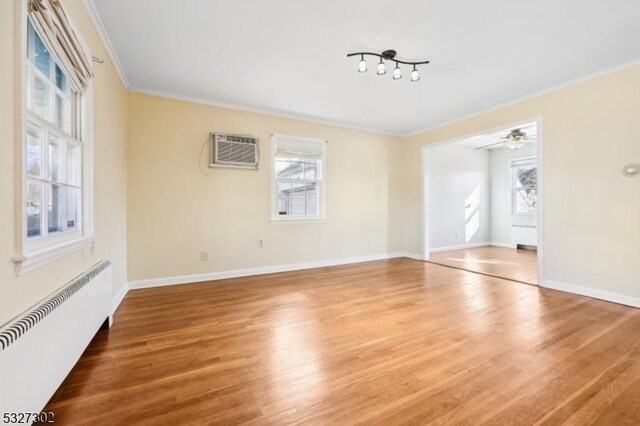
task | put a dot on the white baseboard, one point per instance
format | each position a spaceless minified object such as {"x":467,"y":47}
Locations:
{"x":460,"y":247}
{"x":212,"y":276}
{"x":118,"y":298}
{"x":592,"y":292}
{"x":505,"y":245}
{"x":413,"y":256}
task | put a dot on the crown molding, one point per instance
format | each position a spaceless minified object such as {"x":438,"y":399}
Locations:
{"x":530,"y":96}
{"x":274,"y":113}
{"x":263,"y":111}
{"x":106,"y":41}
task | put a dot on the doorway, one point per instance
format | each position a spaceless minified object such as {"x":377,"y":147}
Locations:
{"x":482,"y":208}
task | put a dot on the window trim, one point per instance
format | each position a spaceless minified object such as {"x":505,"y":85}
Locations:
{"x":276,"y":218}
{"x":513,"y":189}
{"x":33,"y":253}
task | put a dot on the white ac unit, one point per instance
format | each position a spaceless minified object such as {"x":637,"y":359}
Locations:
{"x":236,"y":151}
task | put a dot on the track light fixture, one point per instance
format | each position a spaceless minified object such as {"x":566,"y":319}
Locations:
{"x":415,"y":76}
{"x":381,"y":68}
{"x":362,"y":65}
{"x":388,"y":55}
{"x":397,"y":74}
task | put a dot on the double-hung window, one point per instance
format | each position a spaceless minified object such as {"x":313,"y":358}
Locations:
{"x":524,"y":186}
{"x":299,"y":181}
{"x":54,"y":187}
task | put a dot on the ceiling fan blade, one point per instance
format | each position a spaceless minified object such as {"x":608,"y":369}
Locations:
{"x":490,"y":145}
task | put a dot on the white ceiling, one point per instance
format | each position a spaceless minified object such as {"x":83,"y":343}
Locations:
{"x":289,"y":57}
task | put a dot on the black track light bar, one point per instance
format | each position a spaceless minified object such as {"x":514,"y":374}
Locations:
{"x":389,"y":55}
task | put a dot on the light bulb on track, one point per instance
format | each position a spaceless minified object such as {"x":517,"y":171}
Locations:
{"x":362,"y":65}
{"x":397,"y":74}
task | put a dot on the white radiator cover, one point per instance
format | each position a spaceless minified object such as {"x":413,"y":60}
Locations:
{"x":524,"y":234}
{"x":39,"y":348}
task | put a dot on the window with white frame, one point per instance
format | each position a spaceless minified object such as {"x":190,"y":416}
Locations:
{"x":298,"y":166}
{"x":53,"y":149}
{"x":524,"y":186}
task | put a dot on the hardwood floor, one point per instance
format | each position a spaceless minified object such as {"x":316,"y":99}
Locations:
{"x":516,"y":265}
{"x":389,"y":342}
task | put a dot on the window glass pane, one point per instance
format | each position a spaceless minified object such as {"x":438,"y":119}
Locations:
{"x":73,"y":163}
{"x":55,"y":163}
{"x":298,"y":199}
{"x":310,"y":171}
{"x":526,"y":175}
{"x":30,"y":41}
{"x":62,"y":113}
{"x":526,"y":201}
{"x":54,"y":209}
{"x":72,"y":210}
{"x":282,"y":168}
{"x":34,"y":151}
{"x":61,"y":80}
{"x":311,"y":207}
{"x":297,"y":170}
{"x":284,"y":198}
{"x":34,"y":209}
{"x":41,"y":98}
{"x":42,"y":58}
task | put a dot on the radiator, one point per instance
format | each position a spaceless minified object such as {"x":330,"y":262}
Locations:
{"x":39,"y":348}
{"x":524,"y":235}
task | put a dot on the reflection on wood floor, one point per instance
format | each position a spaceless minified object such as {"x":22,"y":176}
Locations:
{"x":512,"y":264}
{"x":388,"y":342}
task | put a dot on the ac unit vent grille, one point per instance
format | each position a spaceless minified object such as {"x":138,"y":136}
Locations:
{"x":236,"y":151}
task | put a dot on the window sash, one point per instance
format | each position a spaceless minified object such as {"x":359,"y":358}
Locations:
{"x":74,"y":128}
{"x":300,"y":206}
{"x":300,"y":181}
{"x":516,"y":187}
{"x":290,"y":199}
{"x":66,"y":128}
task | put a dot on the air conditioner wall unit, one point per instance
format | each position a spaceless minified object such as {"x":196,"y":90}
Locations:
{"x":234,"y":151}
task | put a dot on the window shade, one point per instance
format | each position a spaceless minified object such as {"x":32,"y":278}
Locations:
{"x":307,"y":150}
{"x":51,"y":22}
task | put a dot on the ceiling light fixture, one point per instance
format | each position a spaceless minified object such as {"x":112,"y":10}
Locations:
{"x":381,"y":68}
{"x":362,"y":65}
{"x":415,"y":76}
{"x":515,"y":141}
{"x":388,"y":55}
{"x":397,"y":74}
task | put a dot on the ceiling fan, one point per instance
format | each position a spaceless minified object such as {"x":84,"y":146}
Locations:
{"x":514,"y":140}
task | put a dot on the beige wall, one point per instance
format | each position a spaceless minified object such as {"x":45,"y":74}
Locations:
{"x":175,"y":211}
{"x":591,"y":211}
{"x":163,"y":208}
{"x":19,"y":293}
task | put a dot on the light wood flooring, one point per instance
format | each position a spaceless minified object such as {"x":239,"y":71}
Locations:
{"x":512,"y":264}
{"x":388,"y":342}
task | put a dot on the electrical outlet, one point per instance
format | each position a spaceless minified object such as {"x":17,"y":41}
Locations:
{"x":455,"y":235}
{"x":204,"y":256}
{"x":260,"y":243}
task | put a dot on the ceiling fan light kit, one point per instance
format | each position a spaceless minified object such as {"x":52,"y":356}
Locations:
{"x":515,"y":140}
{"x":388,"y":55}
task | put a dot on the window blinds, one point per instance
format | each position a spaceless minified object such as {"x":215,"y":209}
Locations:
{"x":299,"y":149}
{"x":53,"y":26}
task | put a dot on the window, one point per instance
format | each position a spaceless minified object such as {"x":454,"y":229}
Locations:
{"x":53,"y":155}
{"x":298,"y":166}
{"x":524,"y":186}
